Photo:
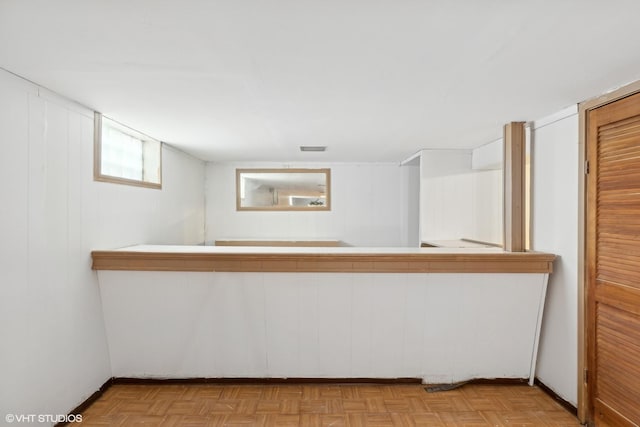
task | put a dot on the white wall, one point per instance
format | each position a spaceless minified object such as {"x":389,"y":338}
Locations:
{"x":52,"y":214}
{"x":449,"y":210}
{"x":54,"y":351}
{"x":554,"y":152}
{"x":410,"y":193}
{"x":439,"y":327}
{"x":457,"y":202}
{"x":367,"y":207}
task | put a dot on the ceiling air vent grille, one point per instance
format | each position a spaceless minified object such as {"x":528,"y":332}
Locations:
{"x":313,"y":148}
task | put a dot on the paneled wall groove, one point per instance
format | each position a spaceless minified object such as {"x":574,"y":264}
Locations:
{"x":53,"y":214}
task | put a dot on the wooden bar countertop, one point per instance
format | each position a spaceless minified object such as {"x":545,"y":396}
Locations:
{"x":321,"y":259}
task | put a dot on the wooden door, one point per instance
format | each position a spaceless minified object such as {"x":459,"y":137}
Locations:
{"x":613,"y":262}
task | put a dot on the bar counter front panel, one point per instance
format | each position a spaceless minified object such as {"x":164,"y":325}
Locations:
{"x":442,"y":315}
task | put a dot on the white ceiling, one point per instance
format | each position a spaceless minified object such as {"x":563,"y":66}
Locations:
{"x":373,"y":80}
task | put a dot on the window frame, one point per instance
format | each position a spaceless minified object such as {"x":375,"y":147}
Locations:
{"x":97,"y":156}
{"x":239,"y":189}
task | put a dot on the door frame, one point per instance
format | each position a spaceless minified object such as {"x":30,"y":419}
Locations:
{"x":583,"y":110}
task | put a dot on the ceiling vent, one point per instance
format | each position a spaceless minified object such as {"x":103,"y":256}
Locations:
{"x":313,"y":148}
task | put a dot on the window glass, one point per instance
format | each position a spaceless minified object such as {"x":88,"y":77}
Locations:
{"x":126,"y":156}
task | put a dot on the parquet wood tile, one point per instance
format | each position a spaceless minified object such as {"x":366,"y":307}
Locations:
{"x":427,"y":419}
{"x":191,"y":405}
{"x":317,"y":406}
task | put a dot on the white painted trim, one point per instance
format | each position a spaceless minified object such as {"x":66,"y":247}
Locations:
{"x":50,"y":95}
{"x":569,"y":111}
{"x":20,"y":82}
{"x":495,"y":141}
{"x":412,"y":158}
{"x":536,"y":340}
{"x":173,"y":148}
{"x":488,"y":156}
{"x":67,"y":103}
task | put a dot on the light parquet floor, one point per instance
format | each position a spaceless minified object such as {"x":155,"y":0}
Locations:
{"x":324,"y":405}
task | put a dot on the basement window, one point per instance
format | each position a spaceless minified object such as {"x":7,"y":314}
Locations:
{"x":125,"y":156}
